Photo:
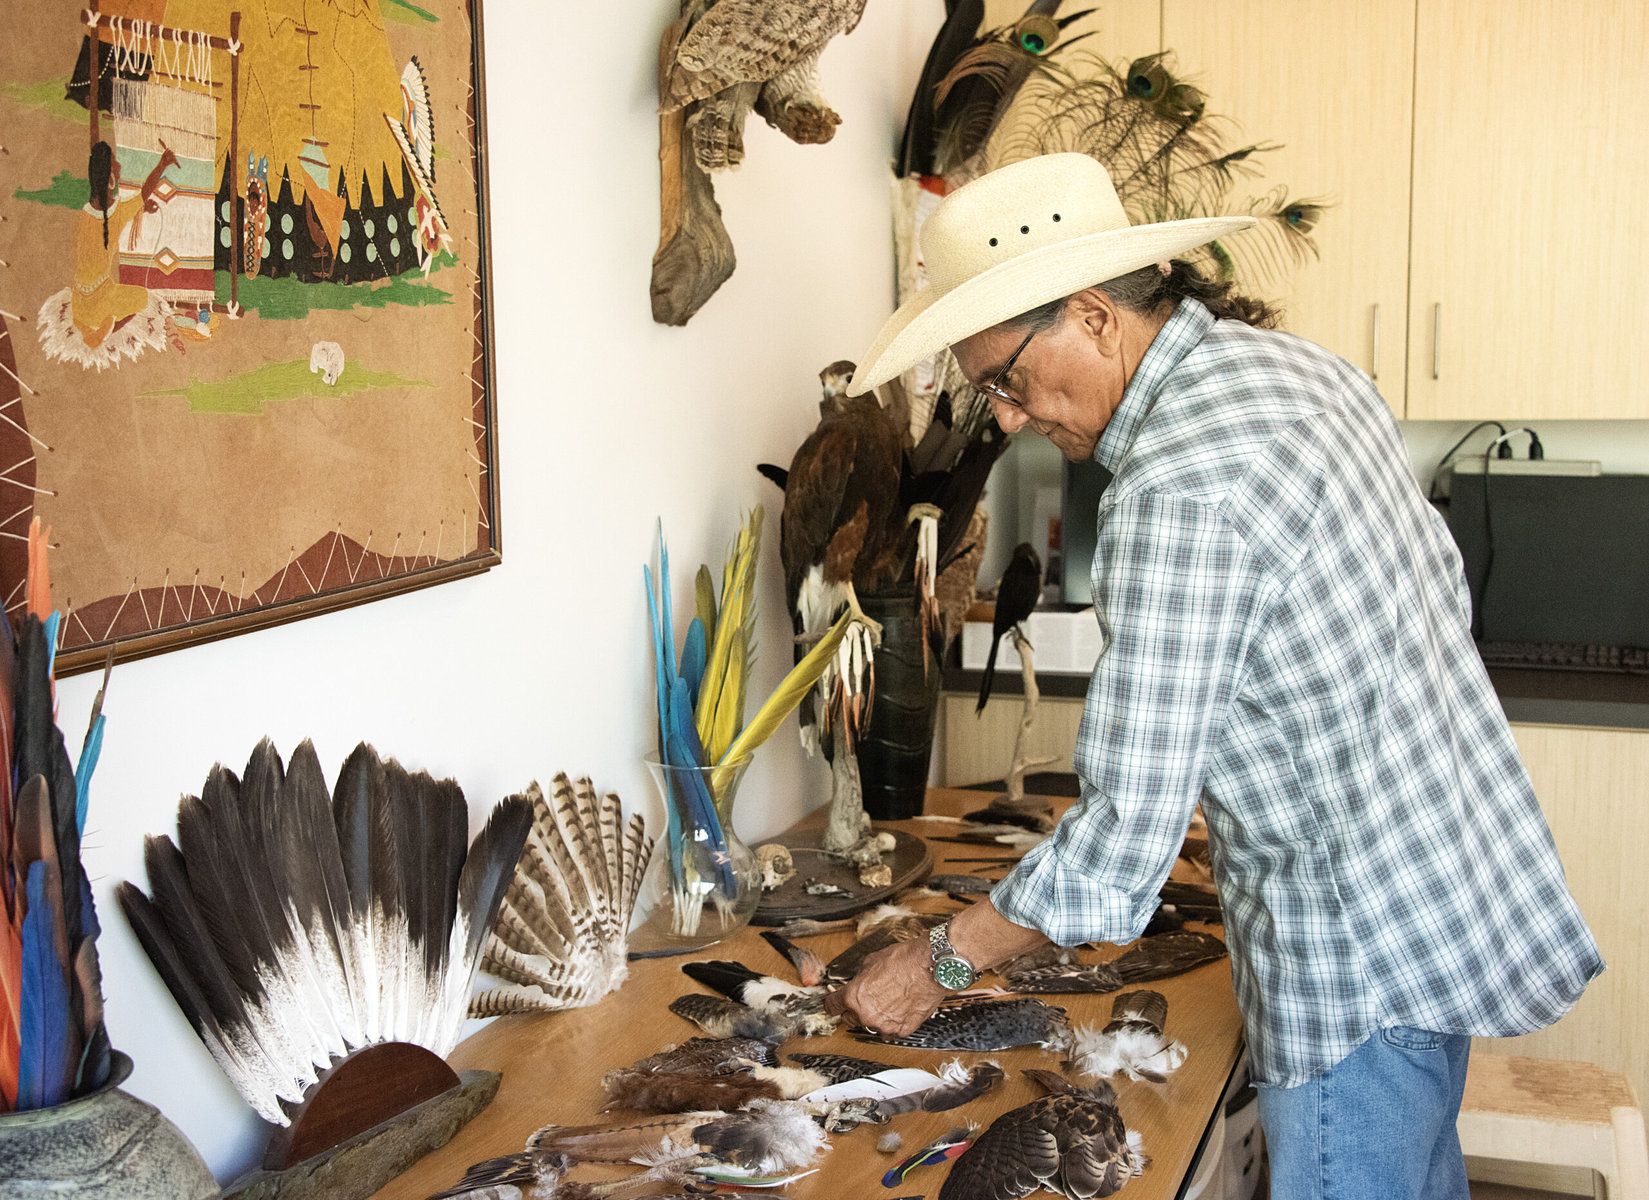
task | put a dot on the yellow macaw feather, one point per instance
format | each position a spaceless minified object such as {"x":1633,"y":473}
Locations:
{"x":779,"y":705}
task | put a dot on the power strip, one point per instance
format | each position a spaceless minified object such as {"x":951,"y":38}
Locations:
{"x":1526,"y":466}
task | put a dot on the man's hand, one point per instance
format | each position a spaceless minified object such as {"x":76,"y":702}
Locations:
{"x":894,"y":992}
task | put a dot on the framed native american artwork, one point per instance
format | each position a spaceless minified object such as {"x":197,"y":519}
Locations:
{"x":245,"y":361}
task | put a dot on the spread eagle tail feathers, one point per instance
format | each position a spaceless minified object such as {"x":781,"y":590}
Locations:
{"x":561,"y":936}
{"x":294,"y":927}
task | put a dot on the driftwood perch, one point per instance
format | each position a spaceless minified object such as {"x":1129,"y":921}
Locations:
{"x":1020,"y":764}
{"x":695,"y":252}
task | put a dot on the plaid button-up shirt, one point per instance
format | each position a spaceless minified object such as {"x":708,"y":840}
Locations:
{"x":1287,"y":641}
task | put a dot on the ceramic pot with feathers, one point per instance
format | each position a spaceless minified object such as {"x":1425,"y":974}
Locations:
{"x":705,"y":883}
{"x":106,"y":1144}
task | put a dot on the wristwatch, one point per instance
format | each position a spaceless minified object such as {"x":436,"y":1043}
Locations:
{"x":950,"y":970}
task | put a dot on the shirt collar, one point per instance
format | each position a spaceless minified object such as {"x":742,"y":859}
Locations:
{"x":1167,"y":350}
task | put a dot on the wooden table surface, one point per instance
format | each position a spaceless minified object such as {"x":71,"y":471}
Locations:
{"x":553,"y":1063}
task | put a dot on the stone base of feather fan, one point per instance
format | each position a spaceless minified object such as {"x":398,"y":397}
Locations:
{"x":361,"y":1164}
{"x":910,"y":860}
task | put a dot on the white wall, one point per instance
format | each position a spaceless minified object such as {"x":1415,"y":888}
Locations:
{"x":605,"y":421}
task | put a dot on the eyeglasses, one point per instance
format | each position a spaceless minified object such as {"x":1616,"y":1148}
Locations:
{"x":993,"y":387}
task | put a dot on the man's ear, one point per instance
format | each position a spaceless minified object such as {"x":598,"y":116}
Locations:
{"x":1100,"y":318}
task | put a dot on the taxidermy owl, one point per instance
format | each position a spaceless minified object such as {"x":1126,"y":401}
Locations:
{"x":730,"y":56}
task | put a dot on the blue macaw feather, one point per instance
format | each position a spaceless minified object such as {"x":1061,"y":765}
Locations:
{"x":669,"y":629}
{"x":694,"y":654}
{"x":687,"y":752}
{"x":89,"y":754}
{"x":45,"y":1064}
{"x":662,"y":685}
{"x":51,"y":623}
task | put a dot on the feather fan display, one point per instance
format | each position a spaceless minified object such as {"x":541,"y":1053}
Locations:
{"x":294,"y":926}
{"x":562,"y":934}
{"x":53,"y":1045}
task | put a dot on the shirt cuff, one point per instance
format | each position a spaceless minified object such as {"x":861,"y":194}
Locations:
{"x":1069,"y":906}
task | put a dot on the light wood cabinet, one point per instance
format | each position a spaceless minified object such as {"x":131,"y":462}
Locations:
{"x":1487,"y":164}
{"x":1531,"y":164}
{"x":1333,"y":86}
{"x":1593,"y":786}
{"x":977,"y":747}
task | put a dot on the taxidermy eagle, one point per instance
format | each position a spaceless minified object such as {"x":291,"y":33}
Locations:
{"x":865,"y":510}
{"x":730,"y":56}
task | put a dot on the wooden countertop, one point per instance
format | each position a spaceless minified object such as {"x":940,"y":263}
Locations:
{"x":553,"y":1063}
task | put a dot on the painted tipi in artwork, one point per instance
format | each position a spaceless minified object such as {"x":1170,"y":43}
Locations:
{"x":309,"y":122}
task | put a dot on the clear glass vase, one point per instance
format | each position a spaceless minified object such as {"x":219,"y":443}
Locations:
{"x":704,"y":881}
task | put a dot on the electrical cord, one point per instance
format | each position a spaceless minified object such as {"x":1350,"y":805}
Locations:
{"x":1500,"y":447}
{"x":1431,"y":492}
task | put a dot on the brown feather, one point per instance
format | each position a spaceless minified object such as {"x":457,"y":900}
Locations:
{"x":676,"y":1091}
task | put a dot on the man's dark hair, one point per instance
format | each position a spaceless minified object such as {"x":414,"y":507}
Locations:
{"x":1148,"y":289}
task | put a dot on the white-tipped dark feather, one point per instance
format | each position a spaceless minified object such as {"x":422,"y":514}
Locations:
{"x":354,"y":811}
{"x":294,"y":928}
{"x":311,"y":867}
{"x":561,"y":937}
{"x":488,"y":869}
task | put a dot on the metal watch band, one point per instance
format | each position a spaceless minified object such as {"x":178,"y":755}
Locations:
{"x":949,"y":967}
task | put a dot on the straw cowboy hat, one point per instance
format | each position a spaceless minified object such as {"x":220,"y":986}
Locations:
{"x":1032,"y":232}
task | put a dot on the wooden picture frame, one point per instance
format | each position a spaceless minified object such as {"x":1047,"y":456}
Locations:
{"x":266,"y":391}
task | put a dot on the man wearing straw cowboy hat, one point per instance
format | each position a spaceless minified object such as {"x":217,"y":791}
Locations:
{"x":1286,"y":641}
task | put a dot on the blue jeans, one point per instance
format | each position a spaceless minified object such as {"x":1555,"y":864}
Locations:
{"x":1379,"y":1124}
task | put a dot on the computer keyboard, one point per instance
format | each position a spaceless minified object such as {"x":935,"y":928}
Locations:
{"x":1621,"y":660}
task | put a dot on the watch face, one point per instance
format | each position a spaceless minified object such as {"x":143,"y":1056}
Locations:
{"x":952,"y":973}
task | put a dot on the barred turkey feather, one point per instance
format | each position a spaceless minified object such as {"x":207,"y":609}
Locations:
{"x":561,"y":938}
{"x":294,"y":926}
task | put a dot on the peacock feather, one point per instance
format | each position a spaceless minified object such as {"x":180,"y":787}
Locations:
{"x":1170,"y":157}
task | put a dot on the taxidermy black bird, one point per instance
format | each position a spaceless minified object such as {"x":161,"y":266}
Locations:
{"x":1132,"y":1042}
{"x":294,"y":927}
{"x":1072,"y":1142}
{"x":1016,"y":595}
{"x":732,"y":56}
{"x":1163,"y":955}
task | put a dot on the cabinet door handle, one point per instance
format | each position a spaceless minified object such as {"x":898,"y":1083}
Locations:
{"x":1374,"y":367}
{"x":1437,"y":340}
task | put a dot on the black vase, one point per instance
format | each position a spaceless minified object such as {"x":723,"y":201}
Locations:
{"x":896,"y":745}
